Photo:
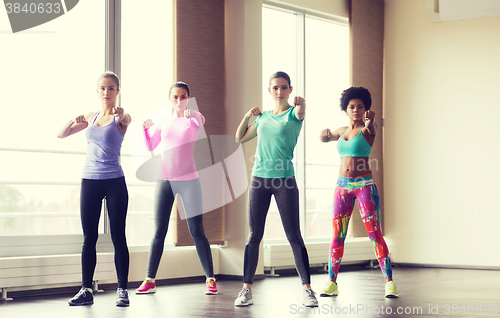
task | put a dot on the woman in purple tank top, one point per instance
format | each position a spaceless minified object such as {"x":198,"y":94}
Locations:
{"x":102,"y":178}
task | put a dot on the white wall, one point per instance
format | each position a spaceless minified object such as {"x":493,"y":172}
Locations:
{"x":442,"y":97}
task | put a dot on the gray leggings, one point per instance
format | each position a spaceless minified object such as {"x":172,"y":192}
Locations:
{"x":286,"y":195}
{"x":190,"y":192}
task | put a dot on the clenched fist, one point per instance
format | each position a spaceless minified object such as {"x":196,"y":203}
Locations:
{"x":325,"y":135}
{"x":369,"y":118}
{"x":299,"y":101}
{"x":188,"y":113}
{"x":255,"y":111}
{"x":147,"y":124}
{"x":119,"y":112}
{"x":79,"y":119}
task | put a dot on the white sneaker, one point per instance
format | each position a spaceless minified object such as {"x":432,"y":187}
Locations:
{"x":244,"y":298}
{"x":310,"y":298}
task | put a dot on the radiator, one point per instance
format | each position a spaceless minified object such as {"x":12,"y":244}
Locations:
{"x":51,"y":263}
{"x":280,"y":256}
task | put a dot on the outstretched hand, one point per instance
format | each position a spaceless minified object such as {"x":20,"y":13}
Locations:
{"x":326,"y":133}
{"x":188,"y":113}
{"x":299,"y":101}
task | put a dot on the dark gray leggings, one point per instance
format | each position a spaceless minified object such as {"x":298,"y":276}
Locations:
{"x":91,"y":194}
{"x":190,"y":192}
{"x":286,"y":195}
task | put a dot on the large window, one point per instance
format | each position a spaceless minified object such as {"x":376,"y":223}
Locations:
{"x":326,"y":76}
{"x":49,"y":75}
{"x":146,"y":70}
{"x":314,"y":51}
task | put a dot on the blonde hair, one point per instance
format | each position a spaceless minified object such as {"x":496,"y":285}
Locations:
{"x":109,"y":74}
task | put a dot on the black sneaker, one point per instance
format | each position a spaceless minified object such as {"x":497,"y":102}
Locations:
{"x":84,"y":297}
{"x":122,"y":300}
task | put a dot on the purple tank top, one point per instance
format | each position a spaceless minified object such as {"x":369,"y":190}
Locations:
{"x":103,"y":151}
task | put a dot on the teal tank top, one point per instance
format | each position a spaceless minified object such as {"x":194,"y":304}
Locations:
{"x":354,"y":147}
{"x":277,"y":137}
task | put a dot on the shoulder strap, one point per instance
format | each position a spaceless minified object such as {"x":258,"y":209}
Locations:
{"x":344,"y":132}
{"x":93,"y":119}
{"x":361,"y":130}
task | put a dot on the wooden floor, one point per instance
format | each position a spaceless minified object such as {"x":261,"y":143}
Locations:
{"x":424,"y":292}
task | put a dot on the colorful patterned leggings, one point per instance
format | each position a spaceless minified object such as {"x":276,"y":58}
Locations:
{"x":365,"y":191}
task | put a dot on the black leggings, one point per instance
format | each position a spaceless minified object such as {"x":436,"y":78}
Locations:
{"x":286,"y":195}
{"x":190,"y":192}
{"x":91,"y":196}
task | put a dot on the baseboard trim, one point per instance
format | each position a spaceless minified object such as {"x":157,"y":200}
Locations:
{"x":238,"y":277}
{"x":131,"y":285}
{"x":473,"y":267}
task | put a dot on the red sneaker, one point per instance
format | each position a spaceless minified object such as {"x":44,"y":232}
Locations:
{"x":211,"y":287}
{"x":147,"y":287}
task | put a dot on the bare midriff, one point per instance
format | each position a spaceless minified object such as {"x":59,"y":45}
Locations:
{"x":352,"y":167}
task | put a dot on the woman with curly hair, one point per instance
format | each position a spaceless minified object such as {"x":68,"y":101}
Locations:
{"x":356,"y":182}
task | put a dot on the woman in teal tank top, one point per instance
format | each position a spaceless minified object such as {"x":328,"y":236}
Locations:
{"x":355,"y":182}
{"x":273,"y":174}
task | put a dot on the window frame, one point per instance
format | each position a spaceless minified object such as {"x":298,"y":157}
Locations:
{"x":300,"y":90}
{"x":23,"y":245}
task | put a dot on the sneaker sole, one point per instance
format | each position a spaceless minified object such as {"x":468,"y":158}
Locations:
{"x":149,"y":291}
{"x":81,"y":304}
{"x":311,"y":305}
{"x":120,"y":304}
{"x":250,"y":302}
{"x":391,"y":296}
{"x":329,"y":295}
{"x":211,"y":293}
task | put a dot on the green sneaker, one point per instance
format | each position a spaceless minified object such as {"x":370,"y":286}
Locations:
{"x":390,"y":290}
{"x":330,"y":289}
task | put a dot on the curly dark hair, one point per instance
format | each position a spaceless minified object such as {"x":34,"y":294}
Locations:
{"x":355,"y":92}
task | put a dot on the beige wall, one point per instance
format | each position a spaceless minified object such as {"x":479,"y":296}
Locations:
{"x":243,"y":91}
{"x":442,"y":97}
